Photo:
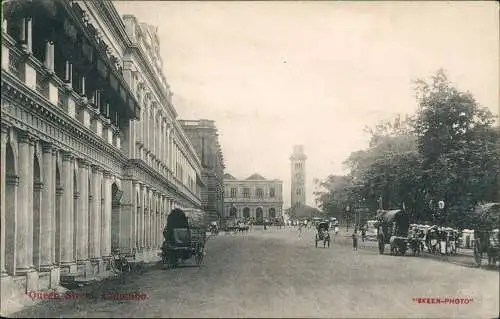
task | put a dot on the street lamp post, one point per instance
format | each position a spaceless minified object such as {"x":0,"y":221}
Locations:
{"x":347,"y":209}
{"x":441,"y":208}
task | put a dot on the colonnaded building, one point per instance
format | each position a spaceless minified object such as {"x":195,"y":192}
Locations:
{"x":253,"y":197}
{"x":205,"y":139}
{"x":93,"y":157}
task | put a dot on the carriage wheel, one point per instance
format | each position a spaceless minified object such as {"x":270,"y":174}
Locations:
{"x":402,"y":250}
{"x":171,"y":260}
{"x":198,"y":258}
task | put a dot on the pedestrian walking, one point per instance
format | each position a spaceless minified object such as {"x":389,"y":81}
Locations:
{"x":355,"y":240}
{"x":300,"y":230}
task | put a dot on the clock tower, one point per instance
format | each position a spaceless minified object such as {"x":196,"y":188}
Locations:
{"x":298,"y":164}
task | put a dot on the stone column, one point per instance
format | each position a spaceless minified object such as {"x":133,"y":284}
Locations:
{"x":4,"y":21}
{"x":147,"y":220}
{"x":58,"y":225}
{"x":145,"y":126}
{"x":68,"y":77}
{"x":169,"y":208}
{"x":135,"y":215}
{"x":95,"y":214}
{"x":49,"y":56}
{"x":56,"y":197}
{"x":125,"y":217}
{"x":67,"y":210}
{"x":158,"y":223}
{"x":106,"y":218}
{"x":83,"y":212}
{"x":5,"y":135}
{"x":140,"y":218}
{"x":36,"y":226}
{"x":167,"y":141}
{"x":26,"y":34}
{"x":153,"y":132}
{"x":160,"y":220}
{"x":47,"y":215}
{"x":74,"y":218}
{"x":24,"y":243}
{"x":154,"y":220}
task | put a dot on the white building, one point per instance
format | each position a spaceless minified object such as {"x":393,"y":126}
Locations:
{"x":254,"y":197}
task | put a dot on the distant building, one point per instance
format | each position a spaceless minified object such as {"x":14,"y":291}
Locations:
{"x":203,"y":136}
{"x":298,"y":171}
{"x":254,"y":197}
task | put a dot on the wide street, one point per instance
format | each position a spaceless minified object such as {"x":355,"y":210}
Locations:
{"x":274,"y":274}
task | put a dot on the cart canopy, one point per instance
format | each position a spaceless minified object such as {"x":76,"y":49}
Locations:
{"x":397,"y":216}
{"x":323,"y":226}
{"x":175,"y":220}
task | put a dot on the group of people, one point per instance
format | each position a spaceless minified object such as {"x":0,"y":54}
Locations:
{"x":434,"y":239}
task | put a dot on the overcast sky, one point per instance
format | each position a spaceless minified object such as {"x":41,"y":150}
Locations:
{"x":275,"y":74}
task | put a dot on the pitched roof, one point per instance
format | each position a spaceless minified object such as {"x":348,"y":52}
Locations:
{"x":229,"y":176}
{"x":255,"y":176}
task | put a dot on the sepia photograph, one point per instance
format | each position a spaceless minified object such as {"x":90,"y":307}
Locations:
{"x":250,"y":159}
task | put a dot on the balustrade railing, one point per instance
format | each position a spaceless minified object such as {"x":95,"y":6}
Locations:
{"x":60,"y":98}
{"x":42,"y":84}
{"x":14,"y":64}
{"x":22,"y":66}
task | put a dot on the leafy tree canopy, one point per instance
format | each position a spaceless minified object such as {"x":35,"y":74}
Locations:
{"x":448,"y":150}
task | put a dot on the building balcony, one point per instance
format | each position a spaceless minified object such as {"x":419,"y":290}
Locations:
{"x":252,"y":200}
{"x":35,"y":76}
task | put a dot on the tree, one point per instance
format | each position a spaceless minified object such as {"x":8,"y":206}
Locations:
{"x":458,"y":145}
{"x":333,"y":197}
{"x":449,"y":150}
{"x":389,"y":168}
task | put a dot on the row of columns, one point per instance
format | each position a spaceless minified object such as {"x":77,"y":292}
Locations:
{"x":159,"y":141}
{"x":154,"y":130}
{"x":253,"y":211}
{"x":149,"y":216}
{"x":55,"y":217}
{"x":49,"y":217}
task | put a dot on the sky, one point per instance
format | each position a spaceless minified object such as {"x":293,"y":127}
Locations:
{"x":276,"y":74}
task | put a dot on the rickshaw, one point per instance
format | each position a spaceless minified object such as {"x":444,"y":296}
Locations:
{"x":214,"y":229}
{"x":323,"y":234}
{"x":184,"y":239}
{"x":486,"y":233}
{"x":392,"y":229}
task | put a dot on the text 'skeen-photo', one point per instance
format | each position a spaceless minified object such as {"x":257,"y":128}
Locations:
{"x":250,"y":159}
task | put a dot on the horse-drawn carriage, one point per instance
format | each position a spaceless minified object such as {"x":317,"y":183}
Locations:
{"x":486,"y":233}
{"x":392,"y":229}
{"x":323,"y":234}
{"x":185,"y":237}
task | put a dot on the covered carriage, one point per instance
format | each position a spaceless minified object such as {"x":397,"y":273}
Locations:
{"x":392,"y":229}
{"x":322,"y":233}
{"x":486,"y":232}
{"x":185,"y":236}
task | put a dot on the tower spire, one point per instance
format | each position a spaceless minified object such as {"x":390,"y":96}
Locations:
{"x":298,"y":171}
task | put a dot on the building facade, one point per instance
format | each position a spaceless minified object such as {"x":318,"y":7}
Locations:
{"x":298,"y":171}
{"x":254,"y":197}
{"x":93,"y":157}
{"x":205,"y":140}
